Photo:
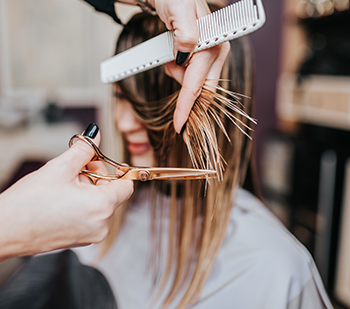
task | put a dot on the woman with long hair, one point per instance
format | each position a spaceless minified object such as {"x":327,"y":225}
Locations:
{"x":195,"y":243}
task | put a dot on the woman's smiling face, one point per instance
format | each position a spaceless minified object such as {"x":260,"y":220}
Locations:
{"x":134,"y":133}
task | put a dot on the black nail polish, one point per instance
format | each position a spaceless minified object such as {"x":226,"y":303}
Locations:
{"x":183,"y":129}
{"x":91,"y":130}
{"x":181,"y":58}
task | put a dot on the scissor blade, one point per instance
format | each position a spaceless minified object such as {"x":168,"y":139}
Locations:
{"x":181,"y":173}
{"x":100,"y":175}
{"x":168,"y":173}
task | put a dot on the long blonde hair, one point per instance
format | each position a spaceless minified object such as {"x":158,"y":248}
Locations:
{"x":198,"y":213}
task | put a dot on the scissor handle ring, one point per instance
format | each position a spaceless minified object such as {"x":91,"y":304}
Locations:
{"x":99,"y":156}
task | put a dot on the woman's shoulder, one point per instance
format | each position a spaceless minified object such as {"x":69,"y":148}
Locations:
{"x":255,"y":228}
{"x":260,"y":256}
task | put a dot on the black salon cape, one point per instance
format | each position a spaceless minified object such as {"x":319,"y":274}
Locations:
{"x":55,"y":281}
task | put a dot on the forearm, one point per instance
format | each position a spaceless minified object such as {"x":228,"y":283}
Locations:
{"x":10,"y":248}
{"x":134,"y":2}
{"x":12,"y":242}
{"x":24,"y":227}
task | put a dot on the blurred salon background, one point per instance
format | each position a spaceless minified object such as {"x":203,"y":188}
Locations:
{"x":50,"y":89}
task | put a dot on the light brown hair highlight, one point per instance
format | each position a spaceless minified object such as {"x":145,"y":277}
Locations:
{"x":198,"y":213}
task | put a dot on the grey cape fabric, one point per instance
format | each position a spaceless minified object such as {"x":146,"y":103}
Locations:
{"x":260,"y":264}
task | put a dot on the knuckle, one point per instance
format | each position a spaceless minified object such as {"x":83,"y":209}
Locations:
{"x":109,"y":206}
{"x":187,"y":40}
{"x":129,"y":187}
{"x":194,"y":90}
{"x":106,"y":209}
{"x":109,"y":210}
{"x":101,"y":234}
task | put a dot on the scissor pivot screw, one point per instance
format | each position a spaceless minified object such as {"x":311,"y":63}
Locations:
{"x":143,"y":175}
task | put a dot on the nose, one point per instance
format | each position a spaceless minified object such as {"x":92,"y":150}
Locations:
{"x":125,"y":118}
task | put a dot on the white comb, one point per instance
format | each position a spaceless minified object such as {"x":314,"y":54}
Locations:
{"x":231,"y":22}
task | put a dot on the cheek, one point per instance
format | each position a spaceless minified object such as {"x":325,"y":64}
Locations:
{"x":124,"y":117}
{"x":116,"y":115}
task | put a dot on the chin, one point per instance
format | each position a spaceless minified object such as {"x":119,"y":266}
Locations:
{"x":146,"y":159}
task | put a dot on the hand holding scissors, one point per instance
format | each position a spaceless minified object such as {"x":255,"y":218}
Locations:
{"x":140,"y":173}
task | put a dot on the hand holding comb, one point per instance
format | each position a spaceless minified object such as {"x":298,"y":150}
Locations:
{"x":231,"y":22}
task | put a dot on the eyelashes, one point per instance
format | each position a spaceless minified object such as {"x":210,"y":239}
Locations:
{"x":119,"y":96}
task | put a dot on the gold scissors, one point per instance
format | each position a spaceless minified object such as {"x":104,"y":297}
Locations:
{"x":140,"y":173}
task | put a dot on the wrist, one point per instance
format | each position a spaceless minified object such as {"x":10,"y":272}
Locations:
{"x":152,"y":3}
{"x":11,"y":238}
{"x":146,"y":6}
{"x":129,"y":2}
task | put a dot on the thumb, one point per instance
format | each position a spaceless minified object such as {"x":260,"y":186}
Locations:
{"x":75,"y":158}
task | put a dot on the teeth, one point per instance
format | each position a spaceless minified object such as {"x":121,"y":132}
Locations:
{"x":234,"y":17}
{"x":236,"y":20}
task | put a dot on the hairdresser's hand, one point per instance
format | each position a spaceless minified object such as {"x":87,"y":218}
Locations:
{"x":55,"y":207}
{"x":180,"y":16}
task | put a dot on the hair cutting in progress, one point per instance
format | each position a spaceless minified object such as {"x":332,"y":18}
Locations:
{"x":216,"y":138}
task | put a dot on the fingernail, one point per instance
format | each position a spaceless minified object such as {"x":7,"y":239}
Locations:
{"x":182,"y":129}
{"x":181,"y":58}
{"x":91,"y":130}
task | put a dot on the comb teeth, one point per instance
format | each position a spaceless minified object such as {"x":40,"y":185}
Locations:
{"x":231,"y":18}
{"x":230,"y":21}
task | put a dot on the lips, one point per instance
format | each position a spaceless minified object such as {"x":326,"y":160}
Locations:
{"x":138,"y":148}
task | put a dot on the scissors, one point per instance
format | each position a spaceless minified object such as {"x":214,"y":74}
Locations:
{"x":140,"y":173}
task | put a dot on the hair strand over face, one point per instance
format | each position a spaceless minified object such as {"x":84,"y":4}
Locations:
{"x":217,"y":136}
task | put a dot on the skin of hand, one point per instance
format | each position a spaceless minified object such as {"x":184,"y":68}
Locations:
{"x":55,"y":207}
{"x":203,"y":67}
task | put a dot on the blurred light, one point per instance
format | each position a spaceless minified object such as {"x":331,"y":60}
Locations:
{"x":341,"y":5}
{"x":319,"y":8}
